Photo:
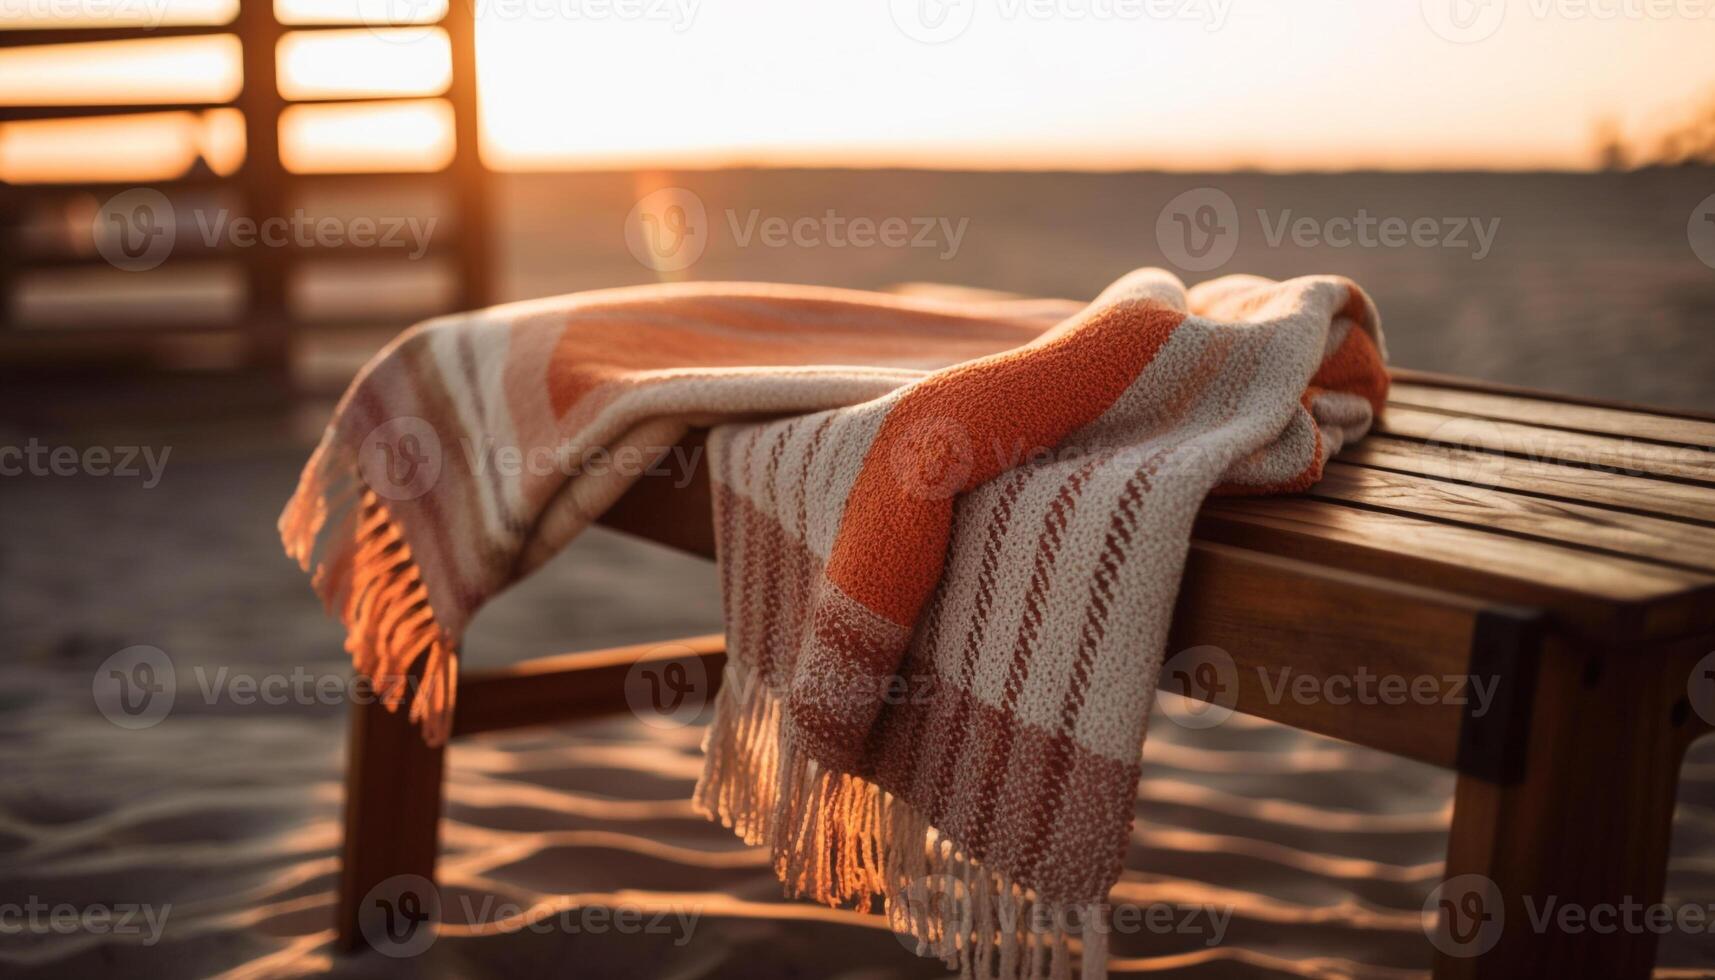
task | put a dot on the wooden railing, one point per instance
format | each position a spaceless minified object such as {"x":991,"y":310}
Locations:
{"x":265,"y":324}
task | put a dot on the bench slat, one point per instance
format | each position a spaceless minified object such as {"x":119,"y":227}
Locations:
{"x":1603,"y":595}
{"x":1557,"y":415}
{"x":1539,"y":477}
{"x":1431,"y":379}
{"x":1649,"y":539}
{"x":1535,"y":442}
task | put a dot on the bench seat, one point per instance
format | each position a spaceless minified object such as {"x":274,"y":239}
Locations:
{"x":1561,"y":550}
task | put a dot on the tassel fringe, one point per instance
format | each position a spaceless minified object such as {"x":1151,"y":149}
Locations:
{"x":843,"y":841}
{"x":834,"y":837}
{"x":367,"y":578}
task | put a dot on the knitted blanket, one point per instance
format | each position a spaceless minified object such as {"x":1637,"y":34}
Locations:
{"x":950,"y":538}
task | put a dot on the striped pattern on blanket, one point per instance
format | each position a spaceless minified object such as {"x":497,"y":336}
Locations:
{"x":950,"y":538}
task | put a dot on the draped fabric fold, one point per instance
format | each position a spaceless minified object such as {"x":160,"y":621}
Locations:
{"x":950,"y":538}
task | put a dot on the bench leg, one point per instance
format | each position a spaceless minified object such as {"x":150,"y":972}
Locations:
{"x":392,"y":810}
{"x":1582,"y":838}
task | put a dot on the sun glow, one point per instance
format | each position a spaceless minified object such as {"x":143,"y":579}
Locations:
{"x":165,"y":70}
{"x":376,"y":136}
{"x":158,"y":146}
{"x":1198,"y":84}
{"x":362,"y":63}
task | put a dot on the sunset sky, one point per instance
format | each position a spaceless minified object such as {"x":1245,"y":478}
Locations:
{"x":1306,"y":83}
{"x":1176,"y":84}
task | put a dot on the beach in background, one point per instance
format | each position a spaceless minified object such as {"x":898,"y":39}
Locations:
{"x":1284,"y":854}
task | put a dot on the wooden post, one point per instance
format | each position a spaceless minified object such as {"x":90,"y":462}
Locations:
{"x":263,"y":179}
{"x":1584,"y":833}
{"x":469,"y":179}
{"x":392,"y":808}
{"x":393,"y":780}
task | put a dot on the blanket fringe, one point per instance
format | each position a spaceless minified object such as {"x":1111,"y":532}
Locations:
{"x":841,"y":840}
{"x":368,"y":579}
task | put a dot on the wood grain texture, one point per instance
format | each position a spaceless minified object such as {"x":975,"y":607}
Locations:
{"x":1635,"y":424}
{"x":1629,"y":456}
{"x":1556,"y":481}
{"x":1585,"y":526}
{"x":1594,"y":593}
{"x":1310,"y":645}
{"x":1433,"y":379}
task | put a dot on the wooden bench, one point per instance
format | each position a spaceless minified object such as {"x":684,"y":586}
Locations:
{"x":1562,"y":550}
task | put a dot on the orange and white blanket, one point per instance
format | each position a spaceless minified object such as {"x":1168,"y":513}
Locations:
{"x":950,"y":537}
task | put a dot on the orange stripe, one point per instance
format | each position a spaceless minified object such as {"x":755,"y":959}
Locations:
{"x":893,"y":538}
{"x":1355,"y":366}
